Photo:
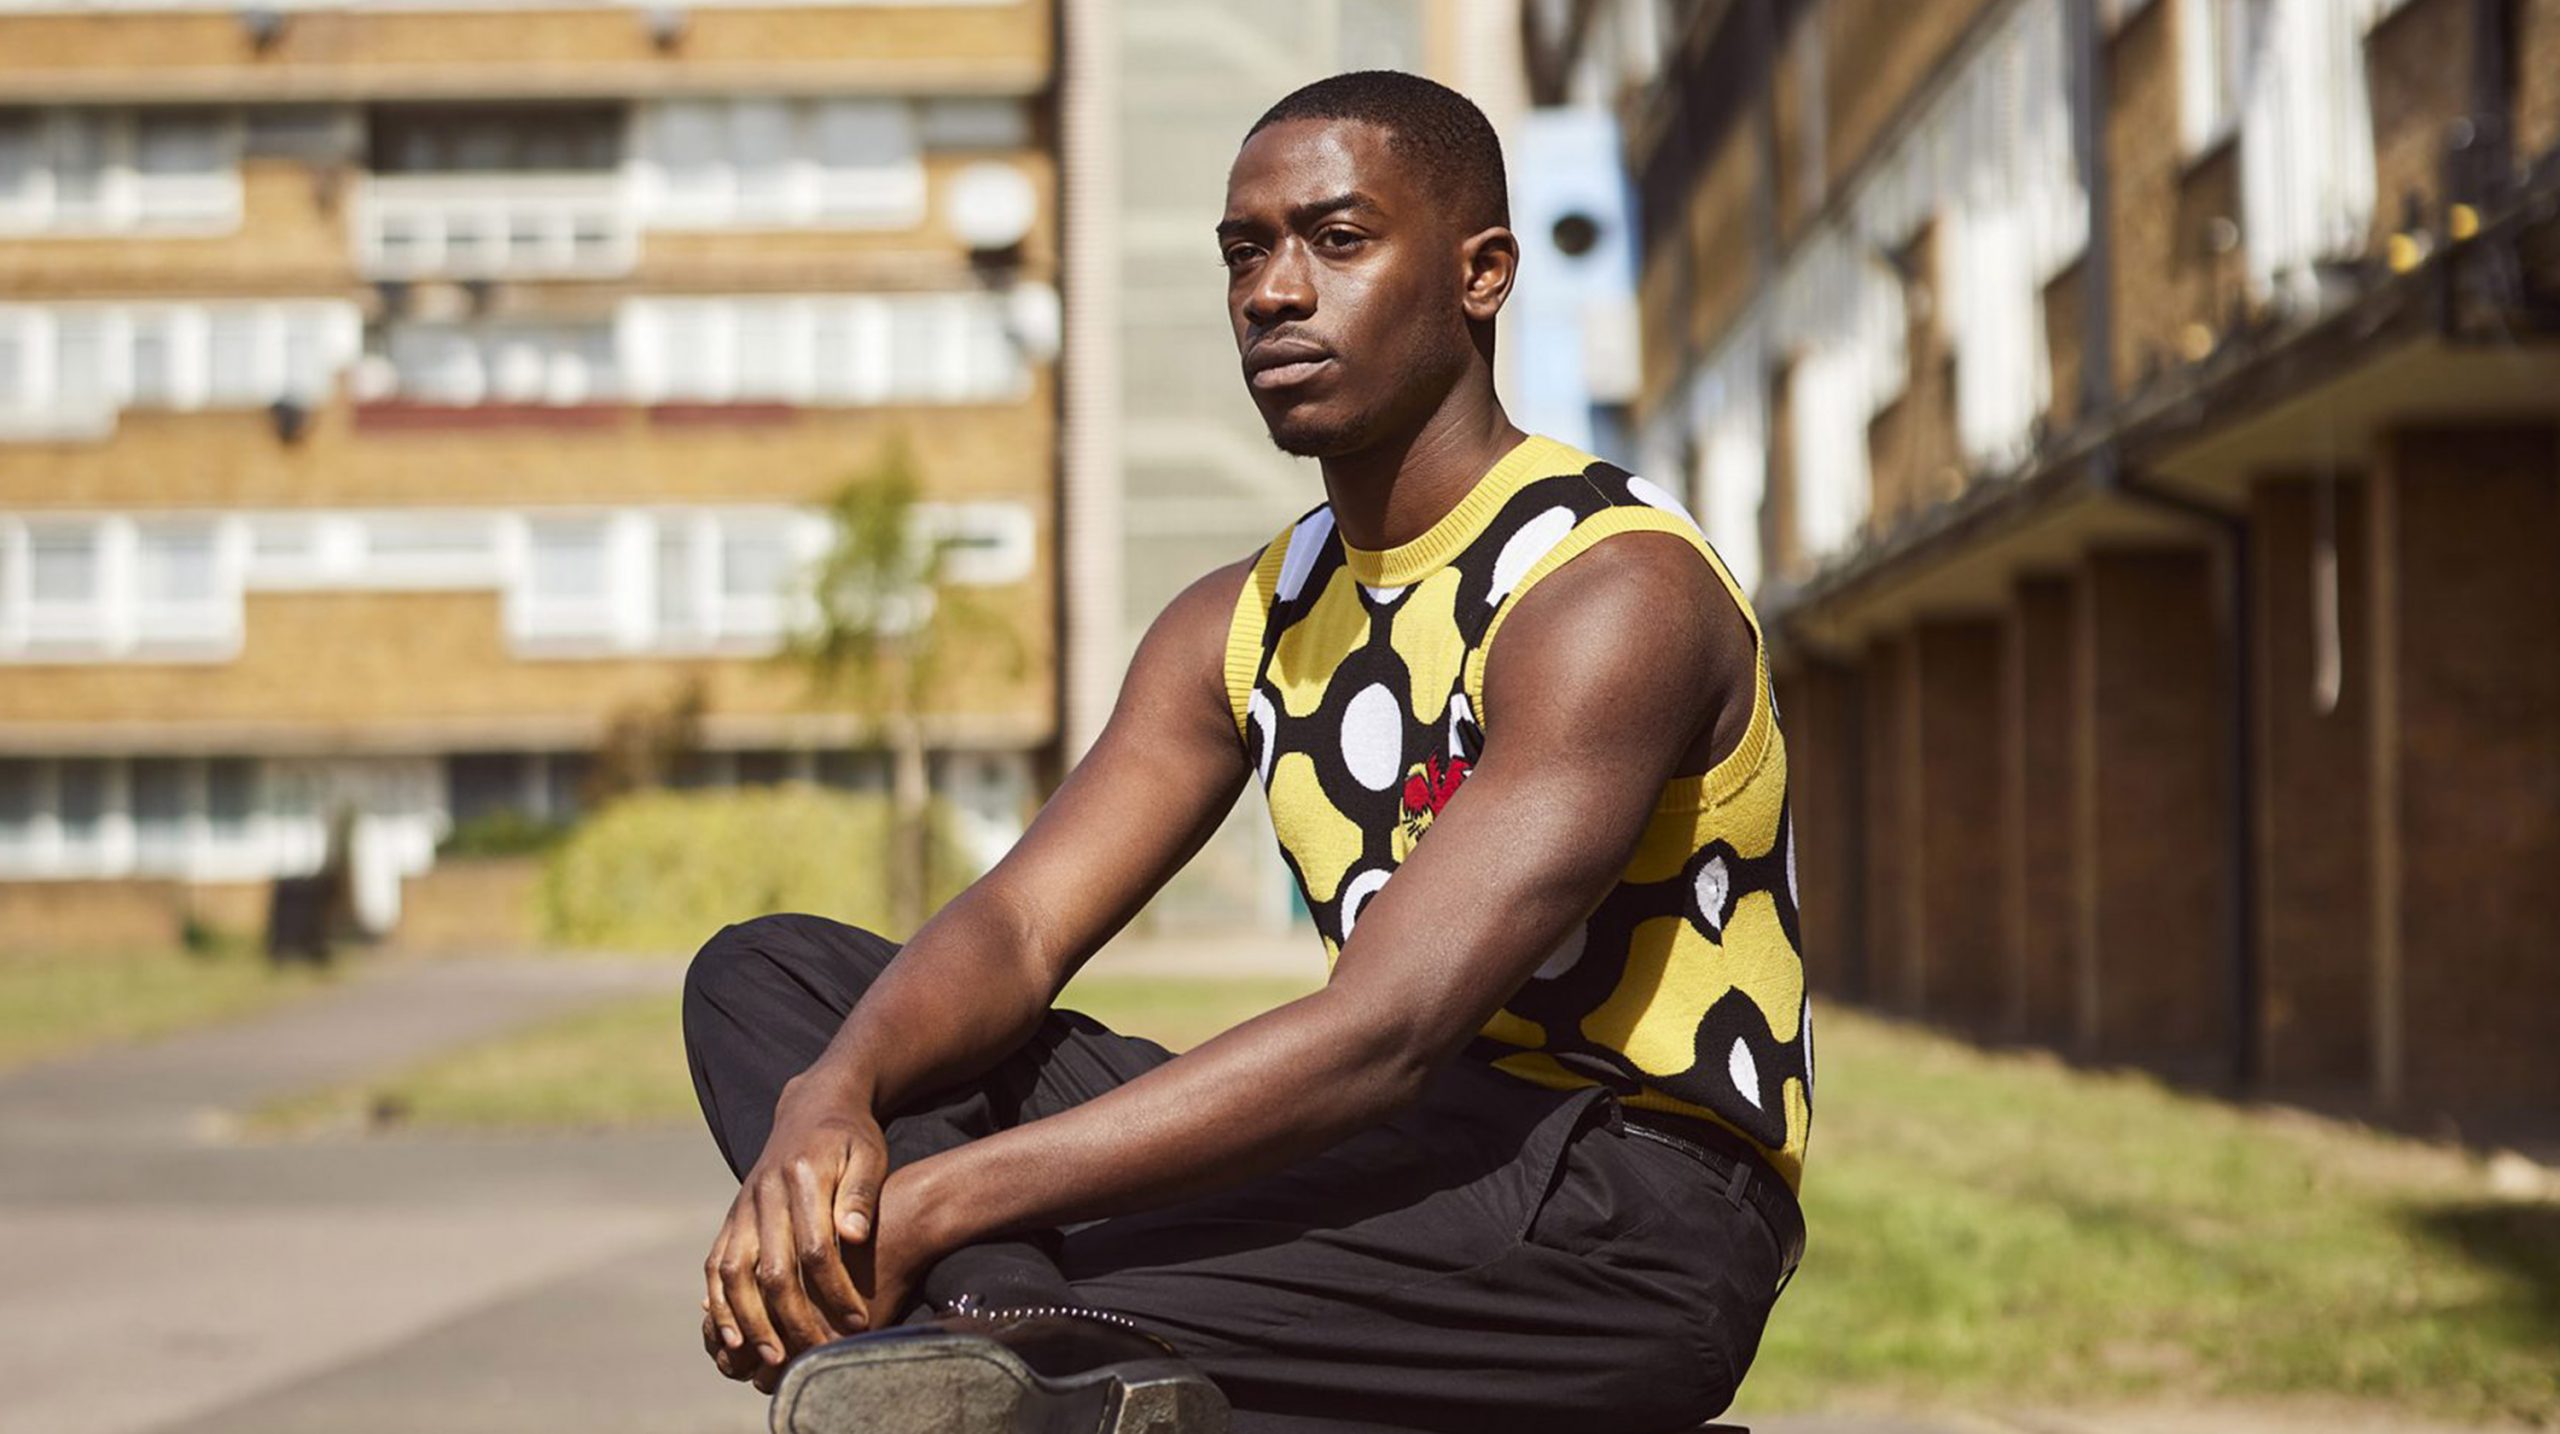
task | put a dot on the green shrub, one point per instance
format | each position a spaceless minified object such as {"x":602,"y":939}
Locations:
{"x":662,"y":870}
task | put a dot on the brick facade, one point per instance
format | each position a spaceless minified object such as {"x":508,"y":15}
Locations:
{"x":2314,"y":854}
{"x":2466,"y":522}
{"x":1960,"y":945}
{"x":2154,"y":867}
{"x":2040,"y":740}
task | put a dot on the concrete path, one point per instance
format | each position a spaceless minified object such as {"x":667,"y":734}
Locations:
{"x":155,"y":1274}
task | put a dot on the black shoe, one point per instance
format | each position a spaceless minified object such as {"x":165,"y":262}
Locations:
{"x":1045,"y":1370}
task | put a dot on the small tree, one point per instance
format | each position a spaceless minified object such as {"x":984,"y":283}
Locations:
{"x":882,"y":625}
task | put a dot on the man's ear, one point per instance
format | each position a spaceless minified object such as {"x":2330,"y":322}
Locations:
{"x":1490,"y":259}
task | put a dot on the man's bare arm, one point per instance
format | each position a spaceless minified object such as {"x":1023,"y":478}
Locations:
{"x":975,"y":980}
{"x":966,"y":989}
{"x":1605,"y":675}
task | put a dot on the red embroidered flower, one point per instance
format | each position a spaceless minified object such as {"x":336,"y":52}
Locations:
{"x":1431,"y":786}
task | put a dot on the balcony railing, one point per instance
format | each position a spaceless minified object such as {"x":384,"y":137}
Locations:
{"x":495,"y":226}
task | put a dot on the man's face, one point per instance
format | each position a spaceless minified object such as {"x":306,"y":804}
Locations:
{"x":1345,"y":284}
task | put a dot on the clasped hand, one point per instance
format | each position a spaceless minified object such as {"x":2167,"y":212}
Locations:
{"x":805,"y":1254}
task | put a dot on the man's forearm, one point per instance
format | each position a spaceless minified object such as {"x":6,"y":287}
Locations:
{"x":966,"y":990}
{"x":1277,"y":1088}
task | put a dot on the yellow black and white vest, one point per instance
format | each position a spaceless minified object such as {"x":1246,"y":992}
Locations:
{"x":1357,"y":683}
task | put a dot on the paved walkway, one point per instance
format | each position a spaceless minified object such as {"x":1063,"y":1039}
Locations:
{"x":156,"y":1274}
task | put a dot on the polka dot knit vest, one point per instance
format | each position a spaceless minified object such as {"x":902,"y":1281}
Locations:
{"x":1357,"y":683}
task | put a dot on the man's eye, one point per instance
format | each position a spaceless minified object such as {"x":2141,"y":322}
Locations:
{"x":1236,"y":255}
{"x":1339,"y":238}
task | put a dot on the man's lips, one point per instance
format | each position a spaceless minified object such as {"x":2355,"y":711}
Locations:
{"x":1284,"y":362}
{"x":1288,"y":375}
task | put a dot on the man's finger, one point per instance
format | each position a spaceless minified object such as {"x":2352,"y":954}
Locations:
{"x":858,"y":1192}
{"x":715,"y":1277}
{"x":745,"y":1297}
{"x":822,"y":1271}
{"x":794,"y":1322}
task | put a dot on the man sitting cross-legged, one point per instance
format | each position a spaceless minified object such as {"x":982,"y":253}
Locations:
{"x":1528,"y":1160}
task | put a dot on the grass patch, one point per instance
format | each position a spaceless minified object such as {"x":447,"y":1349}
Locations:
{"x":2001,"y":1228}
{"x":1987,"y":1229}
{"x":59,"y":1003}
{"x":621,"y":1065}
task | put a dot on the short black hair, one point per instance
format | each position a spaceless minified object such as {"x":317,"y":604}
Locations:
{"x":1434,"y":125}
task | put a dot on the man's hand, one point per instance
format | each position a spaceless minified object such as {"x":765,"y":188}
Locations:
{"x":777,"y":1280}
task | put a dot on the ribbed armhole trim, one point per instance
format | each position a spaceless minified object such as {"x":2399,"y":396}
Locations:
{"x":1535,"y":456}
{"x":1719,"y":783}
{"x":1244,"y":629}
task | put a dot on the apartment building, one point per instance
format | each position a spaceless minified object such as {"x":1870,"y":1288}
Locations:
{"x":391,"y":394}
{"x":2140,"y":420}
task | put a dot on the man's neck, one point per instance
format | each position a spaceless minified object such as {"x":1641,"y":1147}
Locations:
{"x":1391,"y":493}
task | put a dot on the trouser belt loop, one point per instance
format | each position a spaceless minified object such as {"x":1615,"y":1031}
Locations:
{"x":1737,"y":1177}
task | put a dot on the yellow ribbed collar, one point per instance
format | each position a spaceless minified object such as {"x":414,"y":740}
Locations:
{"x":1535,"y":456}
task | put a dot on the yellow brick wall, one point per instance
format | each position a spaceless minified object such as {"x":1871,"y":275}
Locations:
{"x":1879,"y":52}
{"x":333,"y":664}
{"x":1721,"y":222}
{"x":603,"y":50}
{"x":2537,"y":72}
{"x":161,"y":460}
{"x":2418,"y":62}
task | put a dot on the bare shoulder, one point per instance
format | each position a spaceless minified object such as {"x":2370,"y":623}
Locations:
{"x":1639,"y":622}
{"x":1180,"y":664}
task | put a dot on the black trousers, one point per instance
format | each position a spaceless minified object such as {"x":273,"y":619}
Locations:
{"x":1497,"y":1257}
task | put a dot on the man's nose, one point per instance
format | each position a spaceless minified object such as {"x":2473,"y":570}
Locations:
{"x":1283,"y":289}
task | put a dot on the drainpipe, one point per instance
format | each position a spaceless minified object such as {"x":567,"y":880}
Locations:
{"x":2084,"y":37}
{"x":2240,"y":936}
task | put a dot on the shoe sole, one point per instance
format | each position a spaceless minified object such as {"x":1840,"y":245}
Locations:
{"x":967,"y":1385}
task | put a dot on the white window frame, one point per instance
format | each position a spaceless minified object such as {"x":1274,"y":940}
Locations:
{"x":129,"y":200}
{"x":784,"y":141}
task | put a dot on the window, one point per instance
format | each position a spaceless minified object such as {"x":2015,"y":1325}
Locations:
{"x":718,"y":163}
{"x":493,"y":139}
{"x":756,"y":569}
{"x":83,"y":340}
{"x":177,"y":144}
{"x":80,"y":142}
{"x":88,"y":169}
{"x":568,"y":586}
{"x":974,"y":124}
{"x":430,"y":549}
{"x":22,"y":169}
{"x":17,"y":365}
{"x":80,"y":800}
{"x":153,"y":377}
{"x":569,"y":560}
{"x":21,"y":801}
{"x":681,"y":609}
{"x":176,"y":564}
{"x":235,"y":342}
{"x":2212,"y":48}
{"x":160,"y":810}
{"x":770,"y":363}
{"x":65,"y":583}
{"x":231,"y":796}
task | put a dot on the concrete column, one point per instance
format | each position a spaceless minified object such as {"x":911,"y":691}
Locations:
{"x":2042,"y":713}
{"x":1958,"y":948}
{"x":2153,"y":855}
{"x":2466,"y":769}
{"x":2312,"y":847}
